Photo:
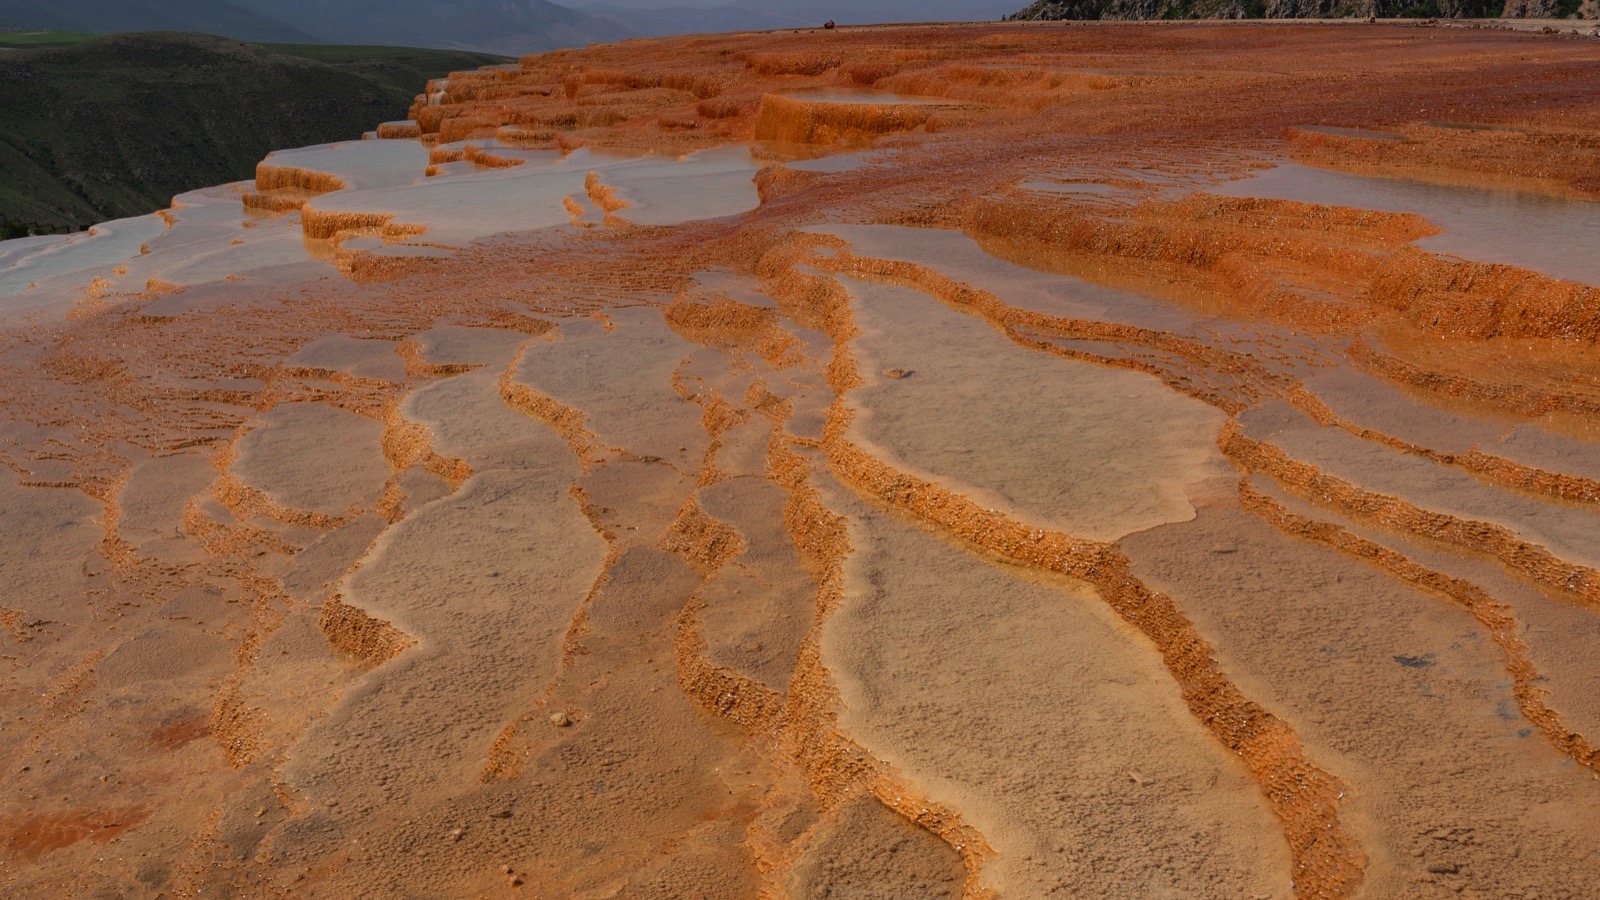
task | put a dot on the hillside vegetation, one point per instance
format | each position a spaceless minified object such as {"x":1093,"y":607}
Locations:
{"x":115,"y":126}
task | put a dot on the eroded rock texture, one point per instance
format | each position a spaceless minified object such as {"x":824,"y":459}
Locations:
{"x":981,"y":461}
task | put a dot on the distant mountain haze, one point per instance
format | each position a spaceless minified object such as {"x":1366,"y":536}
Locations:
{"x":492,"y":26}
{"x":509,"y":27}
{"x":660,"y":17}
{"x":109,"y":16}
{"x":495,"y":26}
{"x":655,"y":18}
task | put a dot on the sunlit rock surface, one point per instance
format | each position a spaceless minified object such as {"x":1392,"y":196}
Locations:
{"x":979,"y":461}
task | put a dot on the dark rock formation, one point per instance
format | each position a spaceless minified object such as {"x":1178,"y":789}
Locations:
{"x":1294,"y":9}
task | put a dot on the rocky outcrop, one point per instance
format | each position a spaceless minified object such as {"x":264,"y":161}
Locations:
{"x":1551,"y":9}
{"x":1048,"y":10}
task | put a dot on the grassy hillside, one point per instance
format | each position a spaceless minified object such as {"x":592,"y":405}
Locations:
{"x":34,"y":40}
{"x":98,"y":128}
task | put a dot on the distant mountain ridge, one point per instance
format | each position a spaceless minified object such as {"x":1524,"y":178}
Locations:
{"x":109,"y":16}
{"x":661,"y":17}
{"x":1043,"y":10}
{"x":491,"y":26}
{"x":509,"y":27}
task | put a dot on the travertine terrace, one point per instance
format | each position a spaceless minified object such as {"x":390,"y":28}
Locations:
{"x":981,"y":461}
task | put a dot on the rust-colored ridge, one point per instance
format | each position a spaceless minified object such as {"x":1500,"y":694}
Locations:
{"x":281,"y":189}
{"x":1494,"y":469}
{"x":1533,"y":400}
{"x":605,"y":197}
{"x":1328,"y":860}
{"x":418,"y":366}
{"x":1557,"y":162}
{"x":703,"y":541}
{"x":357,"y":633}
{"x":407,"y":443}
{"x":1023,"y":327}
{"x":802,"y":724}
{"x":223,"y":539}
{"x":726,"y":323}
{"x":837,"y":766}
{"x":246,"y":502}
{"x":1254,"y":255}
{"x":568,"y":421}
{"x":796,"y":120}
{"x":235,"y":725}
{"x":334,"y":225}
{"x":1516,"y":555}
{"x":1495,"y":617}
{"x":398,"y":130}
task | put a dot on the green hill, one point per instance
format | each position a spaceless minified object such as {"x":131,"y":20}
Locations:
{"x":106,"y":127}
